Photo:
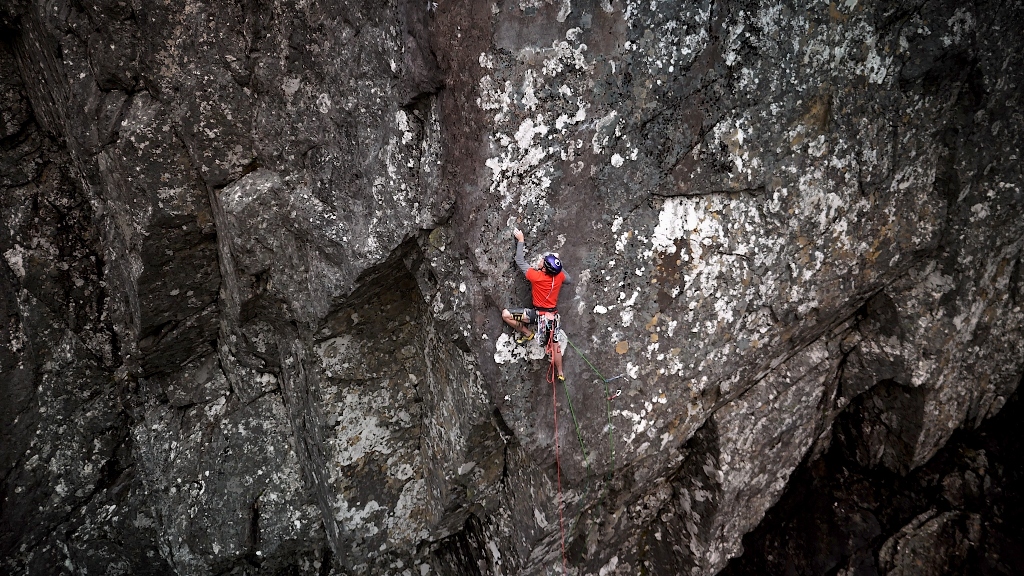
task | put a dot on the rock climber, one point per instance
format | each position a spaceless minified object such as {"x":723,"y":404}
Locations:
{"x":546,"y":279}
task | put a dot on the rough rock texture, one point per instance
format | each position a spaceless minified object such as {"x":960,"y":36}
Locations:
{"x":961,"y":513}
{"x":254,"y":255}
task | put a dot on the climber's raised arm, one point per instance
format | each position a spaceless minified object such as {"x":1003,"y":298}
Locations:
{"x":520,"y":247}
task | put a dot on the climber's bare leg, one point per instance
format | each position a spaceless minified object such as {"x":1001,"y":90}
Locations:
{"x":515,"y":323}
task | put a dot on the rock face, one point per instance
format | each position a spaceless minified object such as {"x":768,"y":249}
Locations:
{"x":255,"y":253}
{"x":960,"y":513}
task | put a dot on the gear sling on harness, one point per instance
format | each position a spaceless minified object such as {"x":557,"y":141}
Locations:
{"x":548,"y":328}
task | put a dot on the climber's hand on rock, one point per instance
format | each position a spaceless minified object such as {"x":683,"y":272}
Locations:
{"x":518,"y":234}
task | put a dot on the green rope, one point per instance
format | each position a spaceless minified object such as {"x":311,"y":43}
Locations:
{"x":586,"y":459}
{"x":579,"y":435}
{"x":576,"y":423}
{"x":582,"y":355}
{"x":607,"y":395}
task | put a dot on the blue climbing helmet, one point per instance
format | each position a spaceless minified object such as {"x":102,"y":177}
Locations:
{"x":552,"y":265}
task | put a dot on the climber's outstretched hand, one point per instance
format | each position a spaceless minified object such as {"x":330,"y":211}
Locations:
{"x":518,"y":234}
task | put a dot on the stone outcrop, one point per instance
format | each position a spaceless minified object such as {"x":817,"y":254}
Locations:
{"x":958,"y":513}
{"x":254,"y":255}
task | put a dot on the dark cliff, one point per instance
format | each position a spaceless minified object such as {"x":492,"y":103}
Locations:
{"x":254,"y":255}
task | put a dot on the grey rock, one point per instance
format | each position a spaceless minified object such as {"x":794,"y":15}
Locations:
{"x":928,"y":545}
{"x":255,"y":253}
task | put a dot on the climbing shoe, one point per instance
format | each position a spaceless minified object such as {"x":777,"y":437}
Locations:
{"x":561,"y":377}
{"x":522,"y":338}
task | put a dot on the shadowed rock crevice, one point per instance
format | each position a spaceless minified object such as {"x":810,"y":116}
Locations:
{"x":402,"y":405}
{"x":959,"y":513}
{"x":684,"y":529}
{"x":882,"y":426}
{"x":464,"y":552}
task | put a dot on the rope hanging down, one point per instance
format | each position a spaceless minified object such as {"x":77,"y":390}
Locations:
{"x":549,"y":348}
{"x":579,"y":436}
{"x":558,"y":473}
{"x":609,"y":397}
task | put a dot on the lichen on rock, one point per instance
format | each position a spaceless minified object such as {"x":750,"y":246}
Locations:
{"x":254,"y":257}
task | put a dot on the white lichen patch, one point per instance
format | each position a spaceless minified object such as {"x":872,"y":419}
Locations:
{"x":359,"y":432}
{"x":406,"y":524}
{"x":961,"y":24}
{"x":254,"y":188}
{"x":359,"y":517}
{"x":671,"y":44}
{"x":290,"y":86}
{"x":507,"y":351}
{"x":530,"y":136}
{"x":402,"y":121}
{"x":527,"y":131}
{"x":337,"y":355}
{"x":15,"y":258}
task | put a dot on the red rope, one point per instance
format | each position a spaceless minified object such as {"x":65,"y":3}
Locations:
{"x":558,"y":473}
{"x":549,"y":349}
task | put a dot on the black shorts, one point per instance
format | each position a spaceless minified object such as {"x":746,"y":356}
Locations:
{"x":524,"y":315}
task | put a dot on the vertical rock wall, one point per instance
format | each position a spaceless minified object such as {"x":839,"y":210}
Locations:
{"x":254,"y":255}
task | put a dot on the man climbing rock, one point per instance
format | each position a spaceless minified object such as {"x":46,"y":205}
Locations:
{"x":546,"y":279}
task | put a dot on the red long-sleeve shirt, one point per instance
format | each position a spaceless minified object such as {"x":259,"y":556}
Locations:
{"x":545,"y":288}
